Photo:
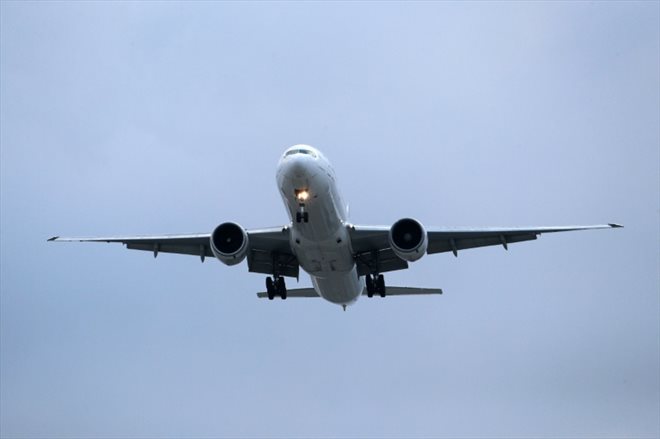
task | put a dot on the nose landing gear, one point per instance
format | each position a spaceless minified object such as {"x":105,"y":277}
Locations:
{"x":376,"y":285}
{"x":302,"y":195}
{"x":275,"y":287}
{"x":302,"y":217}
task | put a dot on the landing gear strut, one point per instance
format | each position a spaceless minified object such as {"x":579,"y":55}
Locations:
{"x":276,"y":287}
{"x":376,"y":285}
{"x":302,"y":216}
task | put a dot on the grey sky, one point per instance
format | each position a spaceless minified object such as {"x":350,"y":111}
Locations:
{"x":139,"y":118}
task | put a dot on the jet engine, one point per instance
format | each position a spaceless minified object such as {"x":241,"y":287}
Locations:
{"x":408,"y":239}
{"x":229,"y":243}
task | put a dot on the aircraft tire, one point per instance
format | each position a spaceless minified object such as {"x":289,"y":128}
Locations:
{"x":370,"y":285}
{"x":380,"y":286}
{"x":281,"y":287}
{"x":270,"y":288}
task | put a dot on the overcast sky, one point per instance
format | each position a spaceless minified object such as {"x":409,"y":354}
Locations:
{"x":122,"y":118}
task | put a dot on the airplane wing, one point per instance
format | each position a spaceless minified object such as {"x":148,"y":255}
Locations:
{"x":391,"y":291}
{"x":269,"y":248}
{"x":374,"y":254}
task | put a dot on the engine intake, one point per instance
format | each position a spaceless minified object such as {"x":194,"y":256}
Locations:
{"x":408,"y":239}
{"x":229,"y":243}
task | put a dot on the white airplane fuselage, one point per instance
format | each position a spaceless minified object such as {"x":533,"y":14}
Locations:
{"x":307,"y":184}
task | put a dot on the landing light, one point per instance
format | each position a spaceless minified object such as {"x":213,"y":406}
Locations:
{"x":302,"y":195}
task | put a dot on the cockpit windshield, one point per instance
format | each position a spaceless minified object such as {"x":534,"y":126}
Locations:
{"x":300,"y":151}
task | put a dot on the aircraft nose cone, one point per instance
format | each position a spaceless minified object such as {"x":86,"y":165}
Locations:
{"x":296,"y":167}
{"x":299,"y":169}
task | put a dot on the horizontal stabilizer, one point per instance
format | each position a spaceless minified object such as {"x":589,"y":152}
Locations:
{"x":295,"y":292}
{"x":391,"y":291}
{"x":408,"y":291}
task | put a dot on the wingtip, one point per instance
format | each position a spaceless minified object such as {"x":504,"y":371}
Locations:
{"x":52,"y":239}
{"x":615,"y":225}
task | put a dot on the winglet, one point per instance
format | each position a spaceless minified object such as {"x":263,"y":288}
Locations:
{"x":615,"y":226}
{"x":52,"y":239}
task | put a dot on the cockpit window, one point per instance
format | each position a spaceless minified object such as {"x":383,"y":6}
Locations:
{"x":300,"y":151}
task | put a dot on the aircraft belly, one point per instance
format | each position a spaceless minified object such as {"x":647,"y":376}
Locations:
{"x":340,"y":288}
{"x":332,"y":270}
{"x":316,"y":260}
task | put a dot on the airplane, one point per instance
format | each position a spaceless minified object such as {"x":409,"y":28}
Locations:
{"x":343,"y":260}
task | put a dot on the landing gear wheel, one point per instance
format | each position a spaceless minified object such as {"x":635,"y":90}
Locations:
{"x":270,"y":288}
{"x":281,"y":287}
{"x":298,"y":217}
{"x":305,"y":217}
{"x":380,"y":285}
{"x":370,"y":285}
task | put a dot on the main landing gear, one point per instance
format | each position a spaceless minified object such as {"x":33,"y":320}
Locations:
{"x":376,"y":285}
{"x":276,"y":287}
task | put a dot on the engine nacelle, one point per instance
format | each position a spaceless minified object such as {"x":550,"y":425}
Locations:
{"x":408,"y":239}
{"x":229,"y":243}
